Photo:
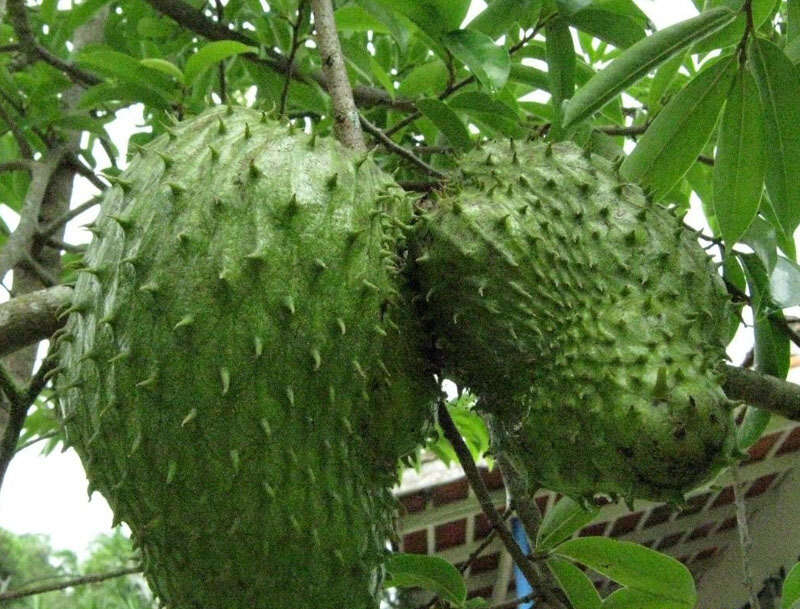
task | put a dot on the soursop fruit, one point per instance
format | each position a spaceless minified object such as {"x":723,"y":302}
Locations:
{"x":587,"y":318}
{"x":239,"y":373}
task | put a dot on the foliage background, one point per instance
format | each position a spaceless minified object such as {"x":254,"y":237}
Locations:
{"x":708,"y":110}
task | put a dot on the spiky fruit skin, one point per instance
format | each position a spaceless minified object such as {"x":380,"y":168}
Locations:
{"x":239,"y":371}
{"x":587,"y":319}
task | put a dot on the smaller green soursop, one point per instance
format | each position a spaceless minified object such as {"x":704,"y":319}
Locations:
{"x":239,"y":371}
{"x":587,"y":318}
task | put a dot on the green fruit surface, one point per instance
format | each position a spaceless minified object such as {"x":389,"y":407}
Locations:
{"x":239,"y":371}
{"x":587,"y":318}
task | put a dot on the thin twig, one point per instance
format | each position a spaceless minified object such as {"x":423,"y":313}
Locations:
{"x":626,"y":131}
{"x":9,"y":386}
{"x":63,"y":245}
{"x":18,"y":16}
{"x":17,"y":412}
{"x":296,"y":44}
{"x":56,"y":224}
{"x":36,"y":440}
{"x":515,"y":602}
{"x":462,"y":83}
{"x":399,"y":150}
{"x":745,"y":540}
{"x":87,"y":172}
{"x":16,"y":131}
{"x":346,"y":125}
{"x":16,"y":165}
{"x":46,"y":277}
{"x":416,"y":186}
{"x":39,"y":380}
{"x":482,"y":493}
{"x":78,"y":581}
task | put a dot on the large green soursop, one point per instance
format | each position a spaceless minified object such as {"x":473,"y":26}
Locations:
{"x":587,"y":318}
{"x":239,"y":371}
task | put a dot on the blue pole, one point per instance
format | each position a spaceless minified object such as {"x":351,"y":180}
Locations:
{"x":523,"y":587}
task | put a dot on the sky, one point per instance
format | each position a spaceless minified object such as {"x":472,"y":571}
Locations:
{"x":48,"y":494}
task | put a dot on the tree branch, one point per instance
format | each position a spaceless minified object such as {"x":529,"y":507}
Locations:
{"x":763,"y":391}
{"x":34,"y":51}
{"x":17,"y":165}
{"x":78,"y":581}
{"x":18,"y":410}
{"x":745,"y":540}
{"x":20,"y":240}
{"x":346,"y":125}
{"x":56,"y":224}
{"x":296,"y":44}
{"x":482,"y":493}
{"x":16,"y":131}
{"x":391,"y":145}
{"x":32,"y":317}
{"x":195,"y":20}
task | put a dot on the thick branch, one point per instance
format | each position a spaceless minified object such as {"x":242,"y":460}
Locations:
{"x":345,"y":115}
{"x":763,"y":391}
{"x":78,"y":581}
{"x":29,"y":318}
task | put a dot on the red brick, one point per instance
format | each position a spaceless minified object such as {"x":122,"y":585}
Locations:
{"x":450,"y":534}
{"x":416,"y":542}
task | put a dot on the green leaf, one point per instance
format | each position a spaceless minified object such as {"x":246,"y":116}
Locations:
{"x":126,"y":68}
{"x":664,"y":77}
{"x":754,"y":423}
{"x":740,"y":161}
{"x":447,"y":121}
{"x":639,"y":59}
{"x":488,"y":62}
{"x":426,"y":572}
{"x":791,"y":585}
{"x":771,"y":342}
{"x":561,"y":521}
{"x":434,"y":17}
{"x":560,"y":67}
{"x":162,"y":65}
{"x":212,"y":53}
{"x":381,"y":76}
{"x":426,"y":79}
{"x":616,"y":29}
{"x":493,"y":113}
{"x":496,"y":19}
{"x":579,"y":589}
{"x":398,"y":26}
{"x":762,"y":238}
{"x":779,"y":86}
{"x":784,"y":283}
{"x":353,"y":18}
{"x":627,"y":598}
{"x":793,"y":14}
{"x":680,"y":131}
{"x":127,"y":93}
{"x":528,"y":75}
{"x":635,"y":567}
